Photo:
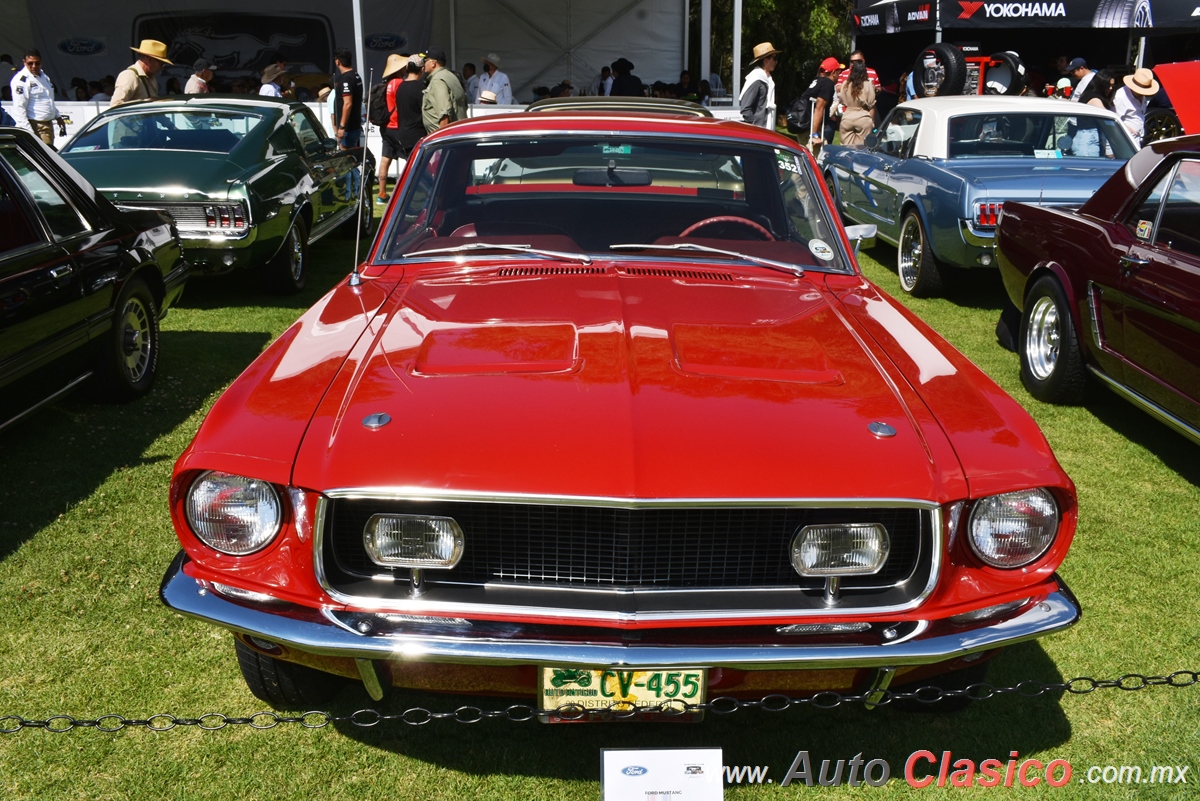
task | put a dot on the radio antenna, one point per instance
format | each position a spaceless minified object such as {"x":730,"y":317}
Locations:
{"x":355,"y":276}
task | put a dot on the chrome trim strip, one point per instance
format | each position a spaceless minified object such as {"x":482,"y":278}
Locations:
{"x":185,"y":595}
{"x":1149,"y":406}
{"x":47,"y":400}
{"x":976,"y":238}
{"x":424,"y":605}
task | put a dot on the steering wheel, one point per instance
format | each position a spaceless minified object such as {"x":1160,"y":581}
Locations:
{"x":763,"y":232}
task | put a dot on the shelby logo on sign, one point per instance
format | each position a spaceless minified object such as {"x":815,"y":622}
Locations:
{"x":634,"y":770}
{"x":1012,"y":9}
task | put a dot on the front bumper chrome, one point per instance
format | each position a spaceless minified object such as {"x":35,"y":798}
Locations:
{"x":331,"y":633}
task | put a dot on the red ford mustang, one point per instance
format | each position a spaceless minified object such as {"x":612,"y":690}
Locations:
{"x":610,"y":417}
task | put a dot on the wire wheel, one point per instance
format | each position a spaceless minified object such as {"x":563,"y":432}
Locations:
{"x":1042,"y":338}
{"x":912,"y":249}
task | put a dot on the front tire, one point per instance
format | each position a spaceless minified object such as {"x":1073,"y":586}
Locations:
{"x":918,"y":270}
{"x":129,"y":360}
{"x":1052,"y":367}
{"x":287,"y":272}
{"x":284,"y":685}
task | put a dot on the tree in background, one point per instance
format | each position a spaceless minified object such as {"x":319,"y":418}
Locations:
{"x":807,"y":31}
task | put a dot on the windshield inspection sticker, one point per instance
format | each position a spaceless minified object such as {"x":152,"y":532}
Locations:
{"x":820,"y":249}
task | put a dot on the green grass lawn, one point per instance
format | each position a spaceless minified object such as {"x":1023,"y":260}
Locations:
{"x":85,"y":538}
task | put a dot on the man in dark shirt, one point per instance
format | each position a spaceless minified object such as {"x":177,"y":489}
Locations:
{"x":348,"y":88}
{"x":626,"y":84}
{"x":820,"y":94}
{"x":409,"y":97}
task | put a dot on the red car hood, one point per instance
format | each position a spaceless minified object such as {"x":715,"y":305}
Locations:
{"x":628,"y":386}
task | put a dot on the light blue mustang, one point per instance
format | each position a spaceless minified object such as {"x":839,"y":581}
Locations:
{"x":935,"y":174}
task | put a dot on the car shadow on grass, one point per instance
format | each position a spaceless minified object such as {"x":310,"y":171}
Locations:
{"x":1175,"y":450}
{"x":966,"y":288}
{"x":58,"y":456}
{"x":329,"y":261}
{"x":989,"y":728}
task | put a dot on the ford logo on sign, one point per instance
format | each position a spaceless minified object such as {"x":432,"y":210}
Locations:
{"x":384,"y":41}
{"x":634,"y":770}
{"x":81,"y":47}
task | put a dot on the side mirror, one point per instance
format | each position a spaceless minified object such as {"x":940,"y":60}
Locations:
{"x":872,"y":139}
{"x":862,"y":235}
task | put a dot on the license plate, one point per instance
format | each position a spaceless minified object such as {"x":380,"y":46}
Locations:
{"x":620,"y":689}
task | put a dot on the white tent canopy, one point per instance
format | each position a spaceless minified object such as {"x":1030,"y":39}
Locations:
{"x":539,"y":42}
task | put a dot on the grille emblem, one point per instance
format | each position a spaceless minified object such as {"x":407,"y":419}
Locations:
{"x":376,"y":421}
{"x":881,"y":430}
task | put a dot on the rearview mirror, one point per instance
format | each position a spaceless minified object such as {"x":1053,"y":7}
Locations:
{"x":862,"y":235}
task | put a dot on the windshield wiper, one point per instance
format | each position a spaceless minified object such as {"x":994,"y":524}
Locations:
{"x":777,"y":265}
{"x":529,"y":250}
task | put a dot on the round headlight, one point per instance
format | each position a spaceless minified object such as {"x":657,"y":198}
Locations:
{"x":1013,"y":529}
{"x":233,"y":514}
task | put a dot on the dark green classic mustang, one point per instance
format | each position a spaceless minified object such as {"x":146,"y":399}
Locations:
{"x":249,"y":181}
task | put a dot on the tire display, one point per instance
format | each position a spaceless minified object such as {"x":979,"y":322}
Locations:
{"x":940,"y":69}
{"x":1007,"y":77}
{"x":129,"y":359}
{"x":1052,"y":366}
{"x":1123,"y":14}
{"x":915,"y":265}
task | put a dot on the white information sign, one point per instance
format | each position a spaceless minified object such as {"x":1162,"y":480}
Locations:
{"x":661,"y":774}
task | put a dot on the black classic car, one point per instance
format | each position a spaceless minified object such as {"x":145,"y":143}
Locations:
{"x":250,"y":181}
{"x":83,"y":285}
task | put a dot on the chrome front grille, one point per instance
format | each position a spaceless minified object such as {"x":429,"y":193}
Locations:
{"x":609,"y":549}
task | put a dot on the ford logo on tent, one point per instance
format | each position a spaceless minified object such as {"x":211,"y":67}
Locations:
{"x":384,"y":41}
{"x":81,"y":47}
{"x":634,"y":770}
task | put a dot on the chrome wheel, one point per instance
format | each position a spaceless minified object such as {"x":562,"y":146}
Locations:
{"x":136,"y":338}
{"x":910,"y":252}
{"x":295,"y":254}
{"x":1042,"y":338}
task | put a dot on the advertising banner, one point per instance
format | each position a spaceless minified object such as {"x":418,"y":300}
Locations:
{"x":889,"y":17}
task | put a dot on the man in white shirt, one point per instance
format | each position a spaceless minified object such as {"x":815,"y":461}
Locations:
{"x":201,"y":74}
{"x":1131,"y":99}
{"x":495,"y":81}
{"x":270,"y":81}
{"x":471,"y":82}
{"x":33,"y":100}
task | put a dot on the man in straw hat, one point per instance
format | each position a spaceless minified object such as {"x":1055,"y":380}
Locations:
{"x":138,"y":81}
{"x":1129,"y":101}
{"x":757,"y":100}
{"x":495,"y":80}
{"x":272,"y":77}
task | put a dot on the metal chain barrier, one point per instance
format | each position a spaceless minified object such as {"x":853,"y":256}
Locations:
{"x":522,"y":713}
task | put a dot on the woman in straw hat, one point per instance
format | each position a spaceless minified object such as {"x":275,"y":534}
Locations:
{"x":138,"y":81}
{"x":757,"y":101}
{"x":1130,"y":100}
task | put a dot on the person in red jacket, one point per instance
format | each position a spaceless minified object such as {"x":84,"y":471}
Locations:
{"x":393,"y":75}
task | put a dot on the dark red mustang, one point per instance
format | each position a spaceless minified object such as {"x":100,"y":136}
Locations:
{"x":1113,"y":288}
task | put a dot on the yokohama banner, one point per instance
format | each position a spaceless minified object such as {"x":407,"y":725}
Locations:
{"x":890,"y":16}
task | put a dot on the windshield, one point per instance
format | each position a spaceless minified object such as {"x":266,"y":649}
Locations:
{"x":208,"y":131}
{"x":598,"y":195}
{"x":1042,"y":135}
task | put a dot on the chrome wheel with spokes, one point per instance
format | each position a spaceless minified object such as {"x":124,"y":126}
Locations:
{"x":129,"y":358}
{"x":1052,"y":366}
{"x":915,"y":265}
{"x":135,"y":338}
{"x":287,"y":272}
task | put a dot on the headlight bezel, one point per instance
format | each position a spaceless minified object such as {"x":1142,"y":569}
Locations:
{"x":987,"y":555}
{"x":259,"y":541}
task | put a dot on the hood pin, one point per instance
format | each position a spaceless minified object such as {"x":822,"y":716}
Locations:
{"x":881,"y":430}
{"x":376,"y":421}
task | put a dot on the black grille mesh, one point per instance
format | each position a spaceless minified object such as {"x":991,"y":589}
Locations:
{"x":602,"y":547}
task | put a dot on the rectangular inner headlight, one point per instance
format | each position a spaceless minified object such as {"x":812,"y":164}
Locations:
{"x":840,"y":549}
{"x":413,"y":541}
